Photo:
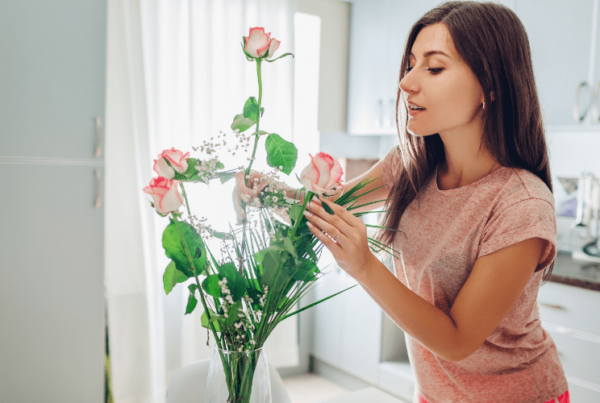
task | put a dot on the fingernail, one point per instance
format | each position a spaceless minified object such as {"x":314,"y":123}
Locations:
{"x":309,"y":224}
{"x":308,"y":213}
{"x":310,"y":204}
{"x":316,"y":199}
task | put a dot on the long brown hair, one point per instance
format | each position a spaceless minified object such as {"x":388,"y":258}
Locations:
{"x":492,"y":41}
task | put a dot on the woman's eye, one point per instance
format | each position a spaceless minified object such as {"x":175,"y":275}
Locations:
{"x":435,"y":71}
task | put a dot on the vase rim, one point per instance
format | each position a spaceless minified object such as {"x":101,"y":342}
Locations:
{"x":236,"y":351}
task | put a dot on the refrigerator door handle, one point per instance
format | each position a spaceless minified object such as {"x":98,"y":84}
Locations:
{"x":98,"y":125}
{"x":98,"y":180}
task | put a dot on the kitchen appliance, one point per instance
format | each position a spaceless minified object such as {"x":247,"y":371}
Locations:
{"x":587,"y":216}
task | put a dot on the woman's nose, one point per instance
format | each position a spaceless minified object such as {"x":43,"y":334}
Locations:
{"x":408,"y":83}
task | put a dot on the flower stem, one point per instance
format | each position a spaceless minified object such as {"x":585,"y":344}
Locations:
{"x":187,"y":205}
{"x":256,"y":137}
{"x":307,"y":198}
{"x":258,"y":72}
{"x":191,"y":261}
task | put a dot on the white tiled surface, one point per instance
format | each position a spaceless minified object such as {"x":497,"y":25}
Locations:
{"x":311,"y":388}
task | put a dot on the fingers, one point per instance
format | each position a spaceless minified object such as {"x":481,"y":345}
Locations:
{"x":325,"y":240}
{"x":321,"y":225}
{"x":349,"y":218}
{"x":337,"y":219}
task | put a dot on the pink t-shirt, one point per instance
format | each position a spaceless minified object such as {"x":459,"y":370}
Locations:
{"x":446,"y":231}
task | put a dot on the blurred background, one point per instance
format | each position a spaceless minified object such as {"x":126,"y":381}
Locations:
{"x":91,"y":91}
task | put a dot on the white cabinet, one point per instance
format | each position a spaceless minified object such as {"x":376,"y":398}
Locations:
{"x":560,"y":36}
{"x":347,"y":328}
{"x":52,"y":88}
{"x":378,"y":32}
{"x":53,"y":77}
{"x":361,"y":342}
{"x":570,"y":315}
{"x":327,"y":328}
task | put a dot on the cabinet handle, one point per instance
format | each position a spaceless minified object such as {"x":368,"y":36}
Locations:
{"x":98,"y":125}
{"x":595,"y":112}
{"x":98,"y":200}
{"x":553,"y":306}
{"x":576,"y":115}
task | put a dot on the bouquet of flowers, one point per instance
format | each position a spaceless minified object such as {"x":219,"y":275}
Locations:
{"x":269,"y":261}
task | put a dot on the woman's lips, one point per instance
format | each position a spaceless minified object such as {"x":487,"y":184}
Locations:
{"x":414,"y":112}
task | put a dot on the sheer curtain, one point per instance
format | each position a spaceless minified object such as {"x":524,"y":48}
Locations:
{"x":176,"y":76}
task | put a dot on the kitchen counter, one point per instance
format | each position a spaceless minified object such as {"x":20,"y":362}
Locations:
{"x":575,"y":272}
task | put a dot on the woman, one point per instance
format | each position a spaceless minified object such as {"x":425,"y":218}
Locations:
{"x":470,"y":209}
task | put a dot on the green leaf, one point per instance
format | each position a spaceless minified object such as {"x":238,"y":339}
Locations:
{"x":305,"y":270}
{"x":295,"y":211}
{"x":281,"y":153}
{"x":255,"y":295}
{"x":214,"y":319}
{"x":233,"y":312}
{"x":174,"y":249}
{"x":191,"y":169}
{"x":260,"y":132}
{"x":242,"y":123}
{"x":172,"y":277}
{"x":251,"y":109}
{"x":235,"y":281}
{"x":327,"y":208}
{"x":192,"y":301}
{"x":211,"y":286}
{"x":270,"y":265}
{"x":288,"y":245}
{"x":283,"y":55}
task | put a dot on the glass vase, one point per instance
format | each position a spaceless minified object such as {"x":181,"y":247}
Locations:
{"x":238,"y":377}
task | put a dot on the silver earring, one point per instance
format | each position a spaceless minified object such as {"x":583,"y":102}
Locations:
{"x":483,"y":105}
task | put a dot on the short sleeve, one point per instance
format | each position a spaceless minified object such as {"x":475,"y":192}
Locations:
{"x":390,"y":167}
{"x":530,"y":218}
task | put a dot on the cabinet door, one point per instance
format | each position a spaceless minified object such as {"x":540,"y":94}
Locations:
{"x":361,"y":342}
{"x":560,"y":34}
{"x":401,"y":16}
{"x":52,"y":84}
{"x":51,"y":285}
{"x":570,"y":307}
{"x":595,"y":115}
{"x":367,"y":66}
{"x":327,"y":329}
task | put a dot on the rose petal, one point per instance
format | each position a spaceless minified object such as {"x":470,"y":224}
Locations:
{"x":324,"y":166}
{"x":273,"y":46}
{"x":172,"y":200}
{"x":163,"y":169}
{"x":256,"y":39}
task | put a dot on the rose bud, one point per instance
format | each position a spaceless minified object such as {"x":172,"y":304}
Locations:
{"x":259,"y":43}
{"x":322,"y":174}
{"x":165,"y":194}
{"x":176,"y":158}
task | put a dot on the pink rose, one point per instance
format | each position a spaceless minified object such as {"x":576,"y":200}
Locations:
{"x":258,"y":43}
{"x":165,"y":194}
{"x":322,"y":174}
{"x":177,"y":159}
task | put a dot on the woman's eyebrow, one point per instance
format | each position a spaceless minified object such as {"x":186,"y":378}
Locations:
{"x":431,"y":52}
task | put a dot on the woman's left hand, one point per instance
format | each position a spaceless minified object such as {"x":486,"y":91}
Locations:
{"x":342,"y":233}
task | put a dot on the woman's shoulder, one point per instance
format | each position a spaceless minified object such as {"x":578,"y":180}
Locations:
{"x":523,"y":184}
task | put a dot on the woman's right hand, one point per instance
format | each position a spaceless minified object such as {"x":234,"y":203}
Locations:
{"x":242,"y":193}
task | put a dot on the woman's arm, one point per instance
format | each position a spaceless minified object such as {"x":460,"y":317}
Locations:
{"x":491,"y":290}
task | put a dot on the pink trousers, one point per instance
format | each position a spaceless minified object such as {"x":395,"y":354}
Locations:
{"x":564,"y":398}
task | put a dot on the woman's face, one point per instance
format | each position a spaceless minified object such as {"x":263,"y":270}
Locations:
{"x":443,"y":84}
